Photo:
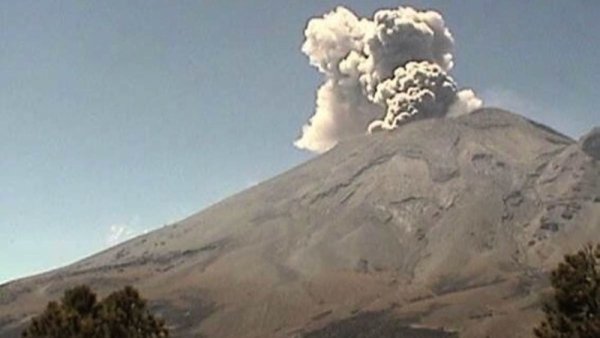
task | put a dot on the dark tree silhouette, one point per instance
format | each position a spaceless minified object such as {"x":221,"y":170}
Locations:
{"x":80,"y":299}
{"x":123,"y":314}
{"x":574,"y":310}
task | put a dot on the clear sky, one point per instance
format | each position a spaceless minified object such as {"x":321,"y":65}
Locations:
{"x":117,"y":117}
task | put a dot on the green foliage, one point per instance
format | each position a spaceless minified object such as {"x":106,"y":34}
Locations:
{"x":80,"y":299}
{"x":123,"y":314}
{"x":574,"y":311}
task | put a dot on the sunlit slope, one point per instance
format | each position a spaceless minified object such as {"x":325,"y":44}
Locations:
{"x":444,"y":223}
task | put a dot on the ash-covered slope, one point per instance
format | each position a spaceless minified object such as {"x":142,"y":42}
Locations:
{"x":444,"y":223}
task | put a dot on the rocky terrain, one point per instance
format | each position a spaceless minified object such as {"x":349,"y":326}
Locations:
{"x":442,"y":228}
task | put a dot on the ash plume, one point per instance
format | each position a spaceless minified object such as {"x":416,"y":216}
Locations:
{"x":379,"y":72}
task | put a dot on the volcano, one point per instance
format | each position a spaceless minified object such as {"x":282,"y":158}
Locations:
{"x":445,"y":227}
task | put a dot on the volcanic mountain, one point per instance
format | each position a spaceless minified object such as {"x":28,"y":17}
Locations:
{"x":441,"y":228}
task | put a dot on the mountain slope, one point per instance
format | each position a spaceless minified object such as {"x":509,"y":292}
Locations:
{"x":444,"y":223}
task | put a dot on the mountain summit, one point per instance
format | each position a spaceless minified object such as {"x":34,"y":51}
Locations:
{"x":445,"y":224}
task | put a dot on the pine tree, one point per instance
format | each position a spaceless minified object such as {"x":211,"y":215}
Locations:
{"x":123,"y":314}
{"x":574,"y":310}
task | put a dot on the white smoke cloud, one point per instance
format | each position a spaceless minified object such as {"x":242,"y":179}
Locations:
{"x":369,"y":74}
{"x":118,"y":233}
{"x":341,"y":112}
{"x":121,"y":232}
{"x":334,"y":45}
{"x":466,"y":102}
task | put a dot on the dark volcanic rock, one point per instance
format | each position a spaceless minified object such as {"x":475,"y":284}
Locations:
{"x":380,"y":324}
{"x":590,"y":143}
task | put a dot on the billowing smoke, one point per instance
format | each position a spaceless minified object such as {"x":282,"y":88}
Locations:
{"x":379,"y":73}
{"x":418,"y":89}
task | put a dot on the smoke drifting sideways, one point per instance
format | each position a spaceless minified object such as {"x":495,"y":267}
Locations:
{"x":380,"y":73}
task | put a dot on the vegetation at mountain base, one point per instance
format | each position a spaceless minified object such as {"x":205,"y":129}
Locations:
{"x":574,"y":309}
{"x":122,"y":314}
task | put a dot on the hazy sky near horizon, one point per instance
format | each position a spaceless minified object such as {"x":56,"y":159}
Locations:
{"x":118,"y":117}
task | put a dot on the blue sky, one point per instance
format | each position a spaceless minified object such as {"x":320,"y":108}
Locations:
{"x":118,"y":117}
